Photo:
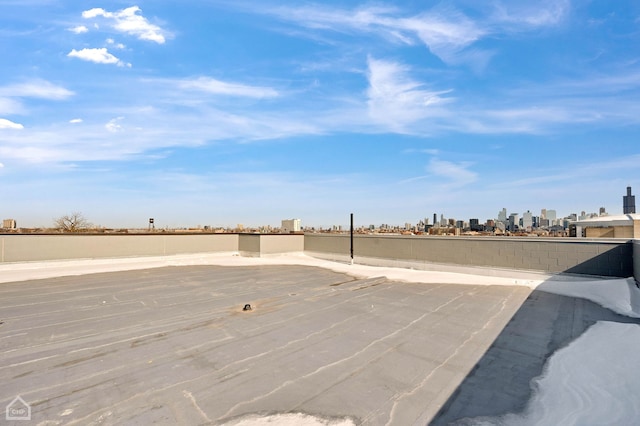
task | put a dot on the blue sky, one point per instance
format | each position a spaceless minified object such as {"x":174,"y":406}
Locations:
{"x":225,"y":112}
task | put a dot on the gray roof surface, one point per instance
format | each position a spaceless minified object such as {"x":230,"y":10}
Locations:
{"x":173,"y":345}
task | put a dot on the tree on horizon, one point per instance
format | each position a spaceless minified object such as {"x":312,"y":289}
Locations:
{"x":74,"y":222}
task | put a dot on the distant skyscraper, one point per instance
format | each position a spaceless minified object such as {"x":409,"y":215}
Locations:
{"x":502,"y":215}
{"x":603,"y":211}
{"x":527,"y":220}
{"x":551,"y":215}
{"x":513,"y":222}
{"x":543,"y":214}
{"x":629,"y":202}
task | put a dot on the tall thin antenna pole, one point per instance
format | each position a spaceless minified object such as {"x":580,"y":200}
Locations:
{"x":352,"y":238}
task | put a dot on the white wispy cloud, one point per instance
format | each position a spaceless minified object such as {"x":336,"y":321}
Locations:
{"x":456,"y":174}
{"x":36,"y":88}
{"x":532,"y":14}
{"x":98,"y":55}
{"x":92,"y":13}
{"x":429,"y":151}
{"x":113,"y":43}
{"x":590,"y":84}
{"x":113,"y":125}
{"x":443,"y":32}
{"x":217,"y":87}
{"x":11,"y":97}
{"x":159,"y":115}
{"x":448,"y":174}
{"x":11,"y":106}
{"x":397,"y":100}
{"x":539,"y":108}
{"x":140,"y":132}
{"x":80,"y":29}
{"x":75,"y":120}
{"x":8,"y":124}
{"x":130,"y":22}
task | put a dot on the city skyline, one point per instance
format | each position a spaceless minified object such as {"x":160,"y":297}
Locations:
{"x":219,"y":113}
{"x":438,"y":219}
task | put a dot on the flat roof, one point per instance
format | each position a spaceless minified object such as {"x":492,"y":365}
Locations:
{"x":173,"y":345}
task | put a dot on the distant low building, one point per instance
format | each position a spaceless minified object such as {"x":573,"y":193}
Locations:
{"x":290,"y":226}
{"x":9,"y":224}
{"x":618,"y":226}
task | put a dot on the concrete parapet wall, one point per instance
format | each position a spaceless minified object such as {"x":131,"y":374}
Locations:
{"x":616,"y":258}
{"x":249,"y":245}
{"x":27,"y":248}
{"x":256,"y":245}
{"x":284,"y":243}
{"x":577,"y":256}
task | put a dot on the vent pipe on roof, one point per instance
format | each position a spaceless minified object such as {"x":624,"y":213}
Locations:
{"x":352,"y":238}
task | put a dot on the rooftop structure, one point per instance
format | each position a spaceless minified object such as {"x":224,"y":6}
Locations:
{"x":614,"y":226}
